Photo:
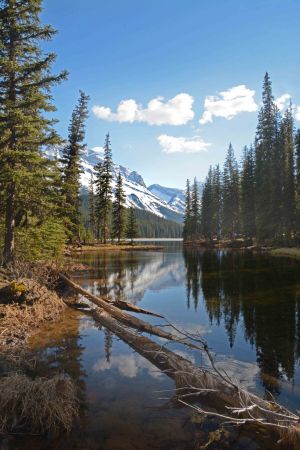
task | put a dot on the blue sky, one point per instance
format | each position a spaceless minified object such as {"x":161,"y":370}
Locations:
{"x":191,"y":59}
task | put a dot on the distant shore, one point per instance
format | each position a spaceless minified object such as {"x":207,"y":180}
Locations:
{"x":86,"y":248}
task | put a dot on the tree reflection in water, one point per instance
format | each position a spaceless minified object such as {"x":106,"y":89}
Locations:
{"x":260,"y":292}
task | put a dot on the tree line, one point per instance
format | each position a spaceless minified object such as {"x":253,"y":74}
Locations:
{"x":39,"y":198}
{"x":260,"y":198}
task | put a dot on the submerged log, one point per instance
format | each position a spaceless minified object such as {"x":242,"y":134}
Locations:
{"x":123,"y":317}
{"x":223,"y":399}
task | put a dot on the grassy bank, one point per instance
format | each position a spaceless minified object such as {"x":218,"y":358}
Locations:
{"x":287,"y":252}
{"x":113,"y":247}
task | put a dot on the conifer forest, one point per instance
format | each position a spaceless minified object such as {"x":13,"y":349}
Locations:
{"x":149,"y":225}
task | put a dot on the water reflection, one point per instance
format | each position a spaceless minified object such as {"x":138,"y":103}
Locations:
{"x":253,"y":299}
{"x":260,"y":292}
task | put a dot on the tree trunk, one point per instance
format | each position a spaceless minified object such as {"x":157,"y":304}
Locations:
{"x":9,"y":239}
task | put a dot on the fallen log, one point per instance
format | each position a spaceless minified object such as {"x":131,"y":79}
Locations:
{"x":125,"y":318}
{"x":122,"y":304}
{"x":227,"y":401}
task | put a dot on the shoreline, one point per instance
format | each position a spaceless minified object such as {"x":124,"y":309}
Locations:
{"x":87,"y":248}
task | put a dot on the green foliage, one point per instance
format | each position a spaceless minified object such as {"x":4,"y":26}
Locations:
{"x":103,"y":192}
{"x":248,"y":193}
{"x":187,"y":221}
{"x":118,"y":211}
{"x":25,"y":124}
{"x":230,"y":194}
{"x":39,"y":242}
{"x":71,"y":168}
{"x":263,"y":200}
{"x":151,"y":226}
{"x":131,"y":229}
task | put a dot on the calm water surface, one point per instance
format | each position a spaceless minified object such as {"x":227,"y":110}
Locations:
{"x":247,"y":306}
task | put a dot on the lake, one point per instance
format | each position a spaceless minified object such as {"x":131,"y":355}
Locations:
{"x":246,"y":305}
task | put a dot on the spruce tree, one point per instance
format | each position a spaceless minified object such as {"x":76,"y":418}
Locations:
{"x":265,"y":145}
{"x":289,"y":202}
{"x":118,"y":211}
{"x":230,"y":183}
{"x":186,"y":234}
{"x":216,"y":208}
{"x":25,"y":126}
{"x":207,"y":206}
{"x":104,"y":191}
{"x":248,"y":193}
{"x":71,"y":165}
{"x":195,"y":210}
{"x":131,"y":229}
{"x":91,"y":205}
{"x":297,"y":145}
{"x":98,"y":197}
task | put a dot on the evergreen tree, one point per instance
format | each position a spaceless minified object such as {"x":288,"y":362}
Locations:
{"x":118,"y":211}
{"x":248,"y":193}
{"x":289,"y":202}
{"x":91,"y":205}
{"x":71,"y":165}
{"x":131,"y":229}
{"x":104,"y":178}
{"x":25,"y":84}
{"x":265,"y":145}
{"x":207,"y":206}
{"x":98,"y":197}
{"x":231,"y":213}
{"x":297,"y":142}
{"x":186,"y":234}
{"x":216,"y":208}
{"x":195,"y":210}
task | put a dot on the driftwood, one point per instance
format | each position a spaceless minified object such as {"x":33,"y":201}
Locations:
{"x":223,"y":398}
{"x":126,"y":319}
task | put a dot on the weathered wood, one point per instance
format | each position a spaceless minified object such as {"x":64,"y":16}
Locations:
{"x":121,"y":304}
{"x":123,"y":317}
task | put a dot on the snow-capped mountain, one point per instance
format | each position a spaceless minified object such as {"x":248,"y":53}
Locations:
{"x":173,"y":196}
{"x":137,"y":193}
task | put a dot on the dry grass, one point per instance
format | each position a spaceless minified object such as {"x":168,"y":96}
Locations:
{"x":287,"y":252}
{"x":114,"y":247}
{"x":29,"y":310}
{"x":38,"y":406}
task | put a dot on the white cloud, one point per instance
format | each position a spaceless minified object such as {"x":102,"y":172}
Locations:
{"x":297,"y":115}
{"x":283,"y":101}
{"x":130,"y":366}
{"x":176,"y":111}
{"x":172,"y":144}
{"x":228,"y":104}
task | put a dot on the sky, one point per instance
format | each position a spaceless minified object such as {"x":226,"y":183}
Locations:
{"x":173,"y":81}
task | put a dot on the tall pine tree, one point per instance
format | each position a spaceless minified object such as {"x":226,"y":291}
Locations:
{"x":231,"y":211}
{"x":91,"y":205}
{"x":25,"y":84}
{"x":289,"y":201}
{"x":207,"y":206}
{"x":195,"y":210}
{"x":187,"y":226}
{"x":71,"y":165}
{"x":248,"y":193}
{"x":131,"y":229}
{"x":265,"y":147}
{"x":104,"y":178}
{"x":118,"y":211}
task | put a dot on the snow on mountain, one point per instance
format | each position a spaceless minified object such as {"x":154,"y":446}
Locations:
{"x":175,"y":198}
{"x":137,"y":193}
